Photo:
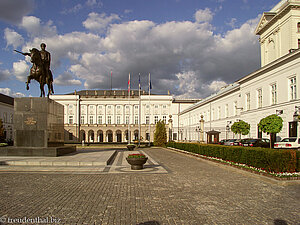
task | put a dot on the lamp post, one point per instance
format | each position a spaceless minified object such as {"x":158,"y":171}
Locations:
{"x":170,"y":127}
{"x":198,"y":129}
{"x":227,"y":127}
{"x":181,"y":133}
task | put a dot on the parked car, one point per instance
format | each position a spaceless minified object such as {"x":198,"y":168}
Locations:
{"x":230,"y":142}
{"x":222,"y":141}
{"x":256,"y":142}
{"x":238,"y":142}
{"x":292,"y":142}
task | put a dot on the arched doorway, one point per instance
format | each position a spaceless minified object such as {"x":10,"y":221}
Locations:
{"x":136,"y":135}
{"x":109,"y":135}
{"x":119,"y":135}
{"x":82,"y":135}
{"x":100,"y":136}
{"x":91,"y":136}
{"x":126,"y":135}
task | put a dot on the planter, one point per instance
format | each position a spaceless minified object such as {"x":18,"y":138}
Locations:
{"x":137,"y":163}
{"x":131,"y":147}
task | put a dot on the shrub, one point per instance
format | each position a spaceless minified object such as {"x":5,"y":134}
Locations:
{"x":160,"y":135}
{"x":272,"y":160}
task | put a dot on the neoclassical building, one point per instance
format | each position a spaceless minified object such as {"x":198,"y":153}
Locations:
{"x":6,"y":115}
{"x":110,"y":116}
{"x":272,"y":89}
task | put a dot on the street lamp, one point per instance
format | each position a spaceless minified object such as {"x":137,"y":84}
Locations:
{"x":227,"y":127}
{"x":199,"y":130}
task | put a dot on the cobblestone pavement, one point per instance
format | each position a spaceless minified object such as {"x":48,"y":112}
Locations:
{"x":194,"y":191}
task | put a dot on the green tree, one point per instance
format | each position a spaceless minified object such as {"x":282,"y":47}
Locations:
{"x":271,"y":125}
{"x":160,"y":135}
{"x":240,"y":127}
{"x":2,"y":138}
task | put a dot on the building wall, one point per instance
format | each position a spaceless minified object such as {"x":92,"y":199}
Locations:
{"x":87,"y":117}
{"x":6,"y":115}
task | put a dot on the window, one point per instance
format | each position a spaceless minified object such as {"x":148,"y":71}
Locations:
{"x":147,"y":136}
{"x":226,"y":111}
{"x":174,"y":136}
{"x":298,"y":27}
{"x":118,"y":120}
{"x":164,"y":106}
{"x":99,"y":119}
{"x":109,"y":107}
{"x":293,"y":88}
{"x":136,"y":119}
{"x":70,"y":119}
{"x":127,"y":119}
{"x":248,"y":101}
{"x":70,"y":136}
{"x":108,"y":119}
{"x":136,"y":107}
{"x":155,"y":119}
{"x":118,"y":107}
{"x":5,"y":117}
{"x":274,"y":93}
{"x":259,"y":98}
{"x":91,"y":120}
{"x":156,"y":106}
{"x":235,"y":108}
{"x":298,"y":43}
{"x":219,"y":112}
{"x":165,"y":119}
{"x":147,"y":120}
{"x":81,"y":119}
{"x":212,"y":114}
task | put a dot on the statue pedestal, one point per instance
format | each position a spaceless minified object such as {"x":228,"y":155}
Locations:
{"x":38,"y":128}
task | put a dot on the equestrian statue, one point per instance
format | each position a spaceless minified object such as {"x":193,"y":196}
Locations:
{"x":40,"y":70}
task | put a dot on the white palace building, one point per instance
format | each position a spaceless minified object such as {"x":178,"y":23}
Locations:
{"x":103,"y":116}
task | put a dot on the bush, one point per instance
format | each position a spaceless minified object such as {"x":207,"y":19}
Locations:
{"x":272,"y":160}
{"x":160,"y":135}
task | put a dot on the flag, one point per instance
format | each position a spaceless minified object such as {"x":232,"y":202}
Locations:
{"x":129,"y":84}
{"x":139,"y":81}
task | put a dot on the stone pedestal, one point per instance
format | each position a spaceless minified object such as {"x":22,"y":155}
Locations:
{"x":38,"y":128}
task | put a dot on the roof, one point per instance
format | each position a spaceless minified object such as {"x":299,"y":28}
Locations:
{"x":6,"y":99}
{"x":109,"y":93}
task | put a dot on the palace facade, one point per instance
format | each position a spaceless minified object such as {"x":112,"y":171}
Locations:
{"x":110,"y":116}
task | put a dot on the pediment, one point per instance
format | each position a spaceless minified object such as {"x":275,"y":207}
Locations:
{"x":266,"y":17}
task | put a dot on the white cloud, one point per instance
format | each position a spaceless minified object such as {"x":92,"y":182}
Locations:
{"x":9,"y":92}
{"x":66,"y":79}
{"x":4,"y":74}
{"x":13,"y":38}
{"x":99,"y":22}
{"x":216,"y":85}
{"x":35,"y":28}
{"x":203,"y":15}
{"x":13,"y":10}
{"x":21,"y":70}
{"x":186,"y":57}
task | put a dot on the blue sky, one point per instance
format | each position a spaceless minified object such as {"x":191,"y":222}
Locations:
{"x":191,"y":48}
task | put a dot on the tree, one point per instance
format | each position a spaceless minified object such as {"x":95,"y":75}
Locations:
{"x":2,"y":137}
{"x":160,"y":135}
{"x":271,"y":125}
{"x":240,"y":127}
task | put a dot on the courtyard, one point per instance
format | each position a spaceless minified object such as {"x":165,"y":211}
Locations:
{"x":187,"y":190}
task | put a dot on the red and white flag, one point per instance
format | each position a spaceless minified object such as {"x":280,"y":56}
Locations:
{"x":129,"y":84}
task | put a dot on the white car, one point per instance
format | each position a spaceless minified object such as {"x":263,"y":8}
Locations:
{"x":292,"y":142}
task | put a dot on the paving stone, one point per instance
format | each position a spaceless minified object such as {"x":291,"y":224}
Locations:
{"x":193,"y":191}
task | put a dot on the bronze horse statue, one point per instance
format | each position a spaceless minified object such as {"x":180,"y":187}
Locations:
{"x":39,"y":72}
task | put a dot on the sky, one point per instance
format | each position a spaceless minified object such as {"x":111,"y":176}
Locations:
{"x":190,"y":47}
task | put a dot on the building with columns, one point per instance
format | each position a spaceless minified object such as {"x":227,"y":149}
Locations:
{"x":272,"y":89}
{"x":6,"y":115}
{"x":110,"y":116}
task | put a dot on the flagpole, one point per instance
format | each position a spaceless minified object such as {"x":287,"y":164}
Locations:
{"x":129,"y":109}
{"x":139,"y":109}
{"x":149,"y":112}
{"x":111,"y":80}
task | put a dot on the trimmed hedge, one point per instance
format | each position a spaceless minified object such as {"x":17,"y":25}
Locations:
{"x":272,"y":160}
